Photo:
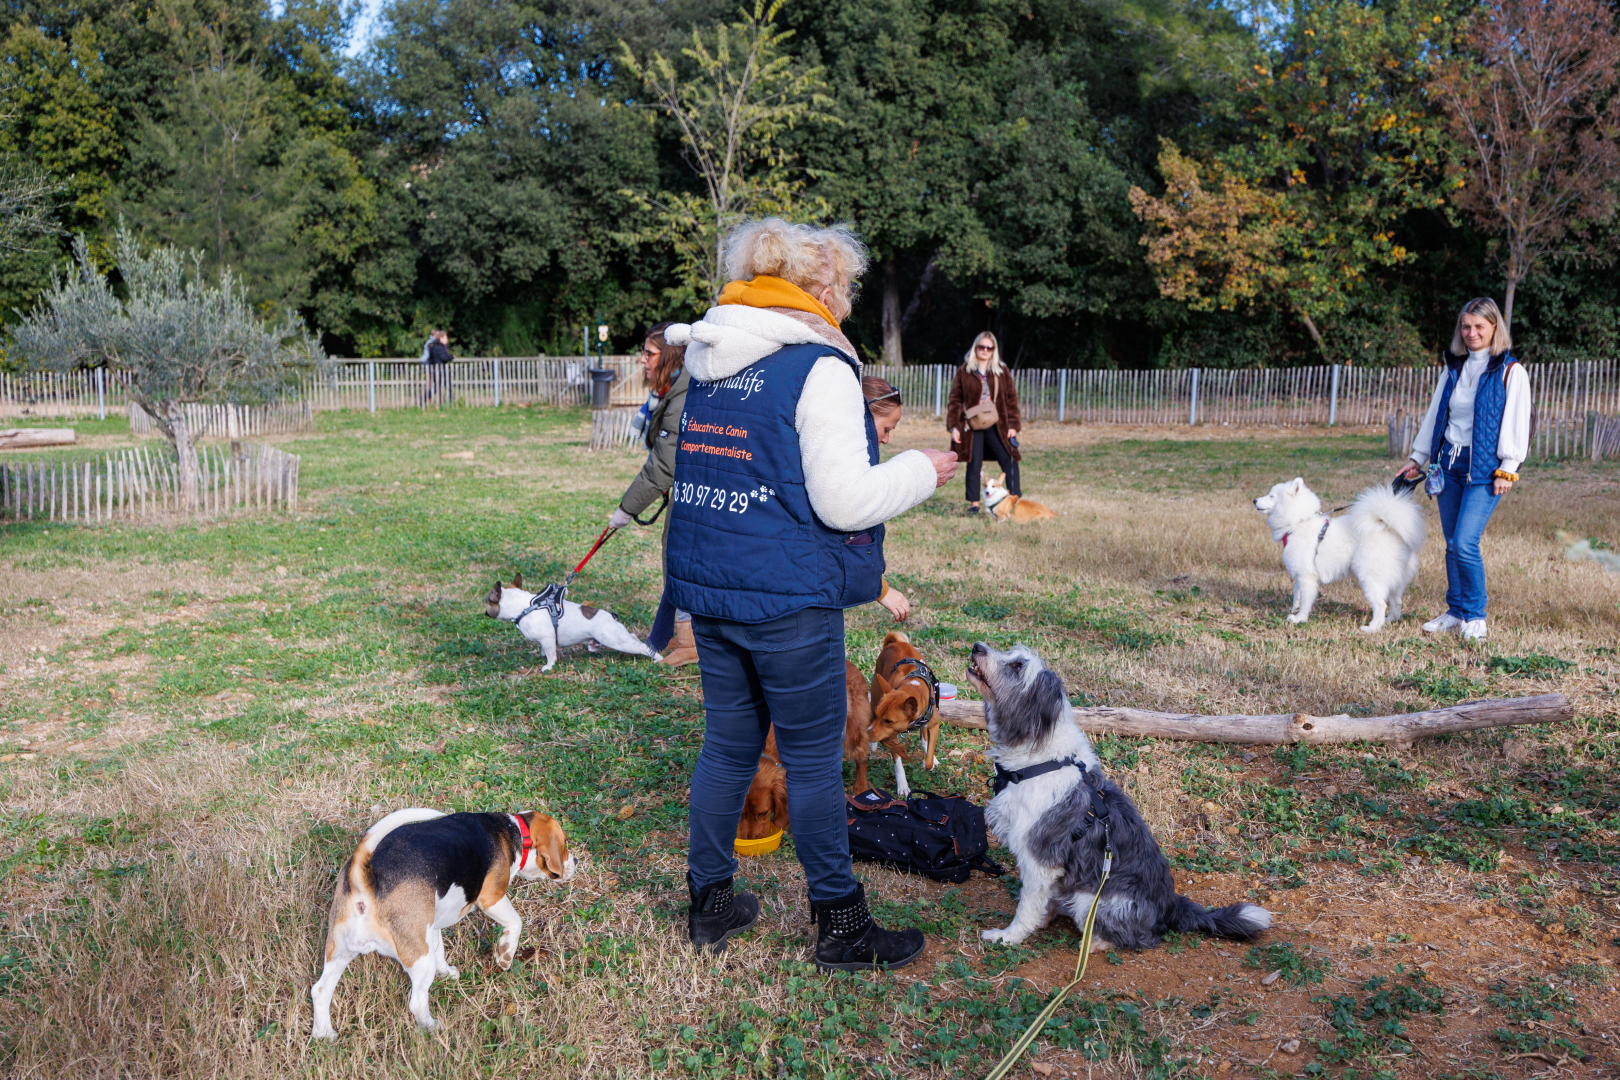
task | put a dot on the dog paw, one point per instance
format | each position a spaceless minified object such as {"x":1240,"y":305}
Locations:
{"x":1297,"y":618}
{"x":427,"y":1023}
{"x":1371,"y":628}
{"x":450,"y":973}
{"x":328,"y":1032}
{"x":1003,"y":936}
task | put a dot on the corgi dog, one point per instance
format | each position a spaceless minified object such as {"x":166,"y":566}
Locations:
{"x":1005,"y":506}
{"x":902,"y":698}
{"x":419,"y":871}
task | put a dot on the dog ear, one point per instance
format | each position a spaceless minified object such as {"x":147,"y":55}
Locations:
{"x":1297,"y":486}
{"x":550,"y":846}
{"x":897,"y":705}
{"x":517,"y":580}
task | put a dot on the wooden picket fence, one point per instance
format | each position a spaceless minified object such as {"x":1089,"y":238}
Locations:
{"x":518,"y":380}
{"x":233,"y":421}
{"x":60,"y":394}
{"x":130,"y":485}
{"x":1567,"y":395}
{"x":1605,"y":437}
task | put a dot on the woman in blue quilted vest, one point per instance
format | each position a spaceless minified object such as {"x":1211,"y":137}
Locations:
{"x":776,"y":526}
{"x":1477,"y":434}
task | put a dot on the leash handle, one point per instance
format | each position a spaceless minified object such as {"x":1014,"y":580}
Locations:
{"x":600,"y":540}
{"x":1004,"y":1066}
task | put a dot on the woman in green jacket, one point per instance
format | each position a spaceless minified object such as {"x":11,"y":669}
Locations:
{"x":660,"y":424}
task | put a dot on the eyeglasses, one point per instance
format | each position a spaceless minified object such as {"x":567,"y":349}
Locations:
{"x":984,"y":348}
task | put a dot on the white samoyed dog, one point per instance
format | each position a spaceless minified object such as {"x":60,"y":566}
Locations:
{"x":1378,"y":541}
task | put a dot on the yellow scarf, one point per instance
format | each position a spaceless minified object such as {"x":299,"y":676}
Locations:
{"x":765,"y":291}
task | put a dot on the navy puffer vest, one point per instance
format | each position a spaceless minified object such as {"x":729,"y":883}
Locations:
{"x":744,"y":544}
{"x":1490,"y":401}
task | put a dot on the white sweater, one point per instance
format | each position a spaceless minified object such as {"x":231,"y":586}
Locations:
{"x":1512,"y":442}
{"x":846,"y":491}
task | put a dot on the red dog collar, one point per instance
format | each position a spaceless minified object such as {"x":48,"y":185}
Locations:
{"x":528,"y":841}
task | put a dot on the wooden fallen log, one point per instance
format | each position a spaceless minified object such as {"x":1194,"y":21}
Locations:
{"x":17,"y":438}
{"x":1285,"y":728}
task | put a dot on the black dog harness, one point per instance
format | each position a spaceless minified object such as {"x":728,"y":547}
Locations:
{"x":919,"y":670}
{"x":548,"y":599}
{"x":1096,"y":810}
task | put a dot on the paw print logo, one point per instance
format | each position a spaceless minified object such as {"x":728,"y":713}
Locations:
{"x":763,"y":493}
{"x":683,"y":421}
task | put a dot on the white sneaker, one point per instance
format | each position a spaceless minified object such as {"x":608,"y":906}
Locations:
{"x":1448,"y":621}
{"x":1474,"y":629}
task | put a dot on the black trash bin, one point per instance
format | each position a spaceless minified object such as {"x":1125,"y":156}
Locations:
{"x":602,"y":380}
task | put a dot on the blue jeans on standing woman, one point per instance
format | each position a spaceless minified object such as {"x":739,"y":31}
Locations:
{"x":1464,"y":510}
{"x":790,"y":672}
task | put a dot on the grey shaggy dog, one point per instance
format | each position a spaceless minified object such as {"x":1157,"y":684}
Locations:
{"x":1044,"y":821}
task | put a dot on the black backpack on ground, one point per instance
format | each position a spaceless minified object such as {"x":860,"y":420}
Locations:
{"x":941,"y":836}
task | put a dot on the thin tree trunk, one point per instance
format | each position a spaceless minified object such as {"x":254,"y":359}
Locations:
{"x":185,"y":450}
{"x":1316,"y":336}
{"x":1507,"y":301}
{"x":891,"y":314}
{"x":917,"y":297}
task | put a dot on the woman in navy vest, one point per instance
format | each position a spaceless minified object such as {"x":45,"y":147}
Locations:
{"x":776,"y":526}
{"x":1477,"y":433}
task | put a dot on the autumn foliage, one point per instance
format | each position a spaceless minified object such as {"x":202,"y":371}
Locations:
{"x":1534,"y":104}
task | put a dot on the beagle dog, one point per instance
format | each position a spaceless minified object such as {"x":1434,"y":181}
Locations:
{"x":418,"y":871}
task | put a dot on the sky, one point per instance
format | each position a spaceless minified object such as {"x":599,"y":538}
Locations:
{"x":365,"y":27}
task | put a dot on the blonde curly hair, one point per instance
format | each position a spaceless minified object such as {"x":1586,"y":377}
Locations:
{"x":815,"y":258}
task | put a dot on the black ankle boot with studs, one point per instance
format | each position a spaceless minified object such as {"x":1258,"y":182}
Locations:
{"x":717,"y":913}
{"x":848,"y":939}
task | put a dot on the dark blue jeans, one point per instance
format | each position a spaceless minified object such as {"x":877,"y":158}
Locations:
{"x":789,"y":672}
{"x":1464,"y":510}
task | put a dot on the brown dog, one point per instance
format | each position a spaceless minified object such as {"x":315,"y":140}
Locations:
{"x":765,"y":809}
{"x":901,"y":696}
{"x":1004,"y":506}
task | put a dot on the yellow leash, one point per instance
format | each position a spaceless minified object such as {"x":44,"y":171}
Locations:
{"x":1004,"y":1066}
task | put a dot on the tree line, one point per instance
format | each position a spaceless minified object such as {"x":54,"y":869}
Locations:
{"x":1104,"y":183}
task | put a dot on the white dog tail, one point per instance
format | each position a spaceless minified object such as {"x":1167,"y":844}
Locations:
{"x":1379,"y":508}
{"x":1239,"y":922}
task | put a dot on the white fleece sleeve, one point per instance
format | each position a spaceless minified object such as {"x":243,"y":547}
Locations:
{"x":845,"y":491}
{"x":1425,"y":435}
{"x":1513,"y":443}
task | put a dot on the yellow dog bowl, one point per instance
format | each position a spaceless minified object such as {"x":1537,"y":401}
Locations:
{"x":763,"y":846}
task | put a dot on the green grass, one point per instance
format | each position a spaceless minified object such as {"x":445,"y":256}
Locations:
{"x":251,"y":692}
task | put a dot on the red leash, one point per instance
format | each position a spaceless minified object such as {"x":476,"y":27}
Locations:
{"x":600,"y":540}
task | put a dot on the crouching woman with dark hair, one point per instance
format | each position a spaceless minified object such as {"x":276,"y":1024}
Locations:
{"x":1477,"y":432}
{"x":777,"y":526}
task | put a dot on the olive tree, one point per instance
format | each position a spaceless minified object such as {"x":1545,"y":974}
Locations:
{"x":176,"y":336}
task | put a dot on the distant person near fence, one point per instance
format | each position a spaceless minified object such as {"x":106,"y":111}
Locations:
{"x":983,"y":415}
{"x":436,"y":359}
{"x":1474,"y":438}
